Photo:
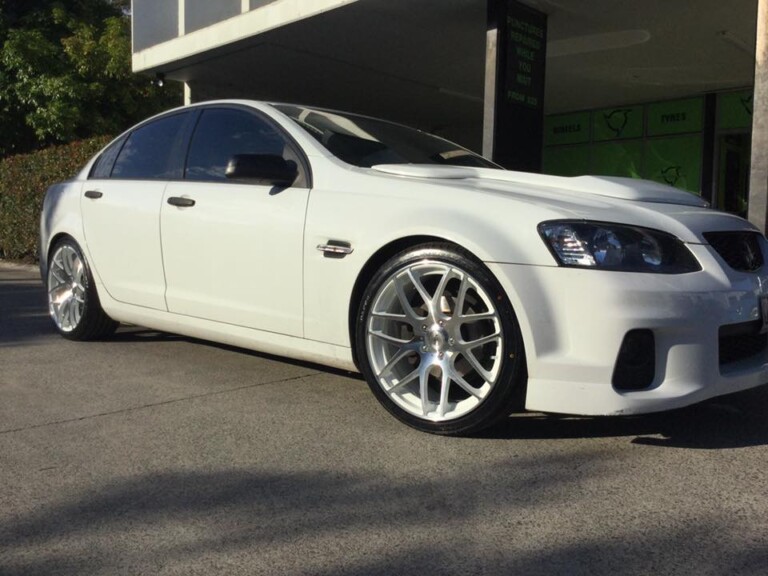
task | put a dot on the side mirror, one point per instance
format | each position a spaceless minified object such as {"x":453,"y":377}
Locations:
{"x":267,"y":169}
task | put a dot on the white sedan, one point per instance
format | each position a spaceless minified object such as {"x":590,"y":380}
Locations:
{"x":461,"y":291}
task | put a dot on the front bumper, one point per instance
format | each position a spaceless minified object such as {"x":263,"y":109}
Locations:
{"x":574,"y":320}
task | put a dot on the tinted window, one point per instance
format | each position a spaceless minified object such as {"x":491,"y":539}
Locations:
{"x":222,"y":133}
{"x":149,"y":151}
{"x":365,"y":142}
{"x":103,"y":166}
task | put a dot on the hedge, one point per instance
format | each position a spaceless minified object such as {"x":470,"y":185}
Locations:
{"x":23,"y":182}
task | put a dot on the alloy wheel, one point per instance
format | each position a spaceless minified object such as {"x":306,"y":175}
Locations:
{"x":67,"y":287}
{"x":434,"y":340}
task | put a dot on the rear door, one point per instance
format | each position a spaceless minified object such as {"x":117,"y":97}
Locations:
{"x":121,"y":209}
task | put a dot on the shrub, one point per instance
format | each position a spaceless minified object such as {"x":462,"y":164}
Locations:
{"x":23,"y":182}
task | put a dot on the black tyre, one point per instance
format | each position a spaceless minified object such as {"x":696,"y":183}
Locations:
{"x":72,"y":299}
{"x":438,"y":342}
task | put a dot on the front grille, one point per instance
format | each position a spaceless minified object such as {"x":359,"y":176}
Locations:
{"x":741,"y":341}
{"x":740,"y":250}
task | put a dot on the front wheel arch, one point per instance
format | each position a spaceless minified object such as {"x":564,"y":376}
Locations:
{"x":367,"y":272}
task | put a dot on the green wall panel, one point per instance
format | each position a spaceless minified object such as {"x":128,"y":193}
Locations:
{"x":675,"y":161}
{"x":622,"y":158}
{"x":567,"y":160}
{"x":734,"y":110}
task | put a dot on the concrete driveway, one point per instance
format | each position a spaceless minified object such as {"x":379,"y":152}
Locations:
{"x":156,"y":454}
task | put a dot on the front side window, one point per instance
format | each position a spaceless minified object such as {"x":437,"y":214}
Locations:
{"x":151,"y":151}
{"x":366,"y":142}
{"x":224,"y":133}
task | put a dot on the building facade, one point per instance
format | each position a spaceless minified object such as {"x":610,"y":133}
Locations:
{"x":670,"y":90}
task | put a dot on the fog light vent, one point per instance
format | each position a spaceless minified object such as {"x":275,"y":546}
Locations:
{"x":636,"y":365}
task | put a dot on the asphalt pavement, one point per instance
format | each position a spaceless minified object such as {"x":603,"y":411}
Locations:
{"x":152,"y":453}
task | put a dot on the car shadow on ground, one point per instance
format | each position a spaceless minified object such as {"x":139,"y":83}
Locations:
{"x":733,"y":421}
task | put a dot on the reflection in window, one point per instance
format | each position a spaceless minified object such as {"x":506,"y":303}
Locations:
{"x":221,"y":134}
{"x":366,"y":142}
{"x":148,"y":152}
{"x":103,"y":166}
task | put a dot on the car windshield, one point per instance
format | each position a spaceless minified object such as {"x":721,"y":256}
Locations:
{"x":366,"y":142}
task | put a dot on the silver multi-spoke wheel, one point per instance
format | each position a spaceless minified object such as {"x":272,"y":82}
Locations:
{"x":66,"y":288}
{"x":72,"y":299}
{"x":435,"y":340}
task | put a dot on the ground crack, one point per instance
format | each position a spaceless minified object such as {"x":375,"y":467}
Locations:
{"x":153,"y":404}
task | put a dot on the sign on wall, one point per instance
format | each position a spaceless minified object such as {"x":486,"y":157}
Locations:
{"x":526,"y":53}
{"x":566,"y":129}
{"x":661,"y":141}
{"x":520,"y":67}
{"x":676,"y":117}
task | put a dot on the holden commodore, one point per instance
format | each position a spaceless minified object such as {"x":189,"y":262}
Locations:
{"x":461,"y":291}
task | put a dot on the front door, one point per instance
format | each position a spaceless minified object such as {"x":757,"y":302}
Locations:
{"x":233,"y":251}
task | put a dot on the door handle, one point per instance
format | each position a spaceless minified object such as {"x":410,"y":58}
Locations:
{"x":93,"y":194}
{"x":181,"y":202}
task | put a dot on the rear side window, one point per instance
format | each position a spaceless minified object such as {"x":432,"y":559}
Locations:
{"x":222,"y":133}
{"x":151,"y":152}
{"x":103,"y":166}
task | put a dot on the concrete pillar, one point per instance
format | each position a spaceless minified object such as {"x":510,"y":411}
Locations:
{"x":758,"y":180}
{"x":489,"y":104}
{"x":187,"y":94}
{"x":182,"y":17}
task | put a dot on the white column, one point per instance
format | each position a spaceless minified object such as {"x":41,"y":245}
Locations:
{"x":182,"y":16}
{"x":245,"y":6}
{"x":187,"y":94}
{"x":758,"y":181}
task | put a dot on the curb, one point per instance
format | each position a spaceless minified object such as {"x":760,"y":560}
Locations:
{"x":11,"y":265}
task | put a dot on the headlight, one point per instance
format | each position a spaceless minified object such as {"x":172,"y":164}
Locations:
{"x":608,"y":246}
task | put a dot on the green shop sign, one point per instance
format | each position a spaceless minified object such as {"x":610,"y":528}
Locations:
{"x":676,"y":117}
{"x":566,"y":129}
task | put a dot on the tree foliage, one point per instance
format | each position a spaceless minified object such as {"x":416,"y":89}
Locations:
{"x":65,"y":73}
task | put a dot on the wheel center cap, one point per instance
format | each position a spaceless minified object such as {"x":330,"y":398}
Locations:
{"x":436,"y":338}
